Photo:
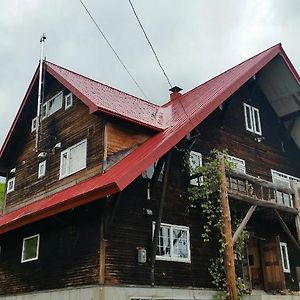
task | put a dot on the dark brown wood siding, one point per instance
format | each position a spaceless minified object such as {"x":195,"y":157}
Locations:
{"x":132,"y":229}
{"x":67,"y":127}
{"x":68,"y":254}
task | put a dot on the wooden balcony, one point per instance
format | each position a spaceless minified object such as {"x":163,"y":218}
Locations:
{"x":260,"y":192}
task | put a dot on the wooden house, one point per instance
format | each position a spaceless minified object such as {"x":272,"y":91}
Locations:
{"x":81,"y":209}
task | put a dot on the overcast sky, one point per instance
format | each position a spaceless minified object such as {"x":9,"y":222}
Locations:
{"x":194,"y":39}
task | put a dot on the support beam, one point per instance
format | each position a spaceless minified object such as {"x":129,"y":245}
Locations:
{"x":244,"y":223}
{"x":290,"y":116}
{"x":287,"y":230}
{"x":159,"y":217}
{"x":227,"y":232}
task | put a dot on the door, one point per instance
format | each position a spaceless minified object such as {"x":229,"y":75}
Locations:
{"x":274,"y":279}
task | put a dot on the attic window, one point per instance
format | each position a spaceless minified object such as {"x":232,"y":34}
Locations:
{"x":252,"y":119}
{"x":52,"y":105}
{"x":68,"y":101}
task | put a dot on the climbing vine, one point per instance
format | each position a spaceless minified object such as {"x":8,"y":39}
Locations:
{"x":206,"y":195}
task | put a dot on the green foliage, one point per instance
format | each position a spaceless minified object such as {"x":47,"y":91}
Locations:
{"x":207,"y":197}
{"x":2,"y":191}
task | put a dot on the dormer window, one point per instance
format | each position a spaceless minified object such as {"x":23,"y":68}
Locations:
{"x":68,"y":101}
{"x":52,"y":105}
{"x":11,"y":185}
{"x":252,"y":119}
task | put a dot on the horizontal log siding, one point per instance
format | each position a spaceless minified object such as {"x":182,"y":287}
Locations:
{"x":68,"y":127}
{"x":68,"y":256}
{"x":132,"y":229}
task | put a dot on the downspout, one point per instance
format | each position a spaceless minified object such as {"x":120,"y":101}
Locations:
{"x":159,"y":217}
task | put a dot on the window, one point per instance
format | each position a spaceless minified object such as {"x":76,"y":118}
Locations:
{"x":33,"y":124}
{"x":239,"y":164}
{"x":195,"y":161}
{"x":173,"y":243}
{"x":68,"y":101}
{"x":11,"y":185}
{"x":30,"y":249}
{"x":73,"y":159}
{"x":252,"y":119}
{"x":285,"y":257}
{"x":52,"y":105}
{"x":283,"y":180}
{"x":42,"y":169}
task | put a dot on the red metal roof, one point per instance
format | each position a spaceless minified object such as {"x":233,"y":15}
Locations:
{"x":182,"y":114}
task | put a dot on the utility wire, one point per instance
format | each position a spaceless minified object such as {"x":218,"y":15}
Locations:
{"x":114,"y":51}
{"x":135,"y":13}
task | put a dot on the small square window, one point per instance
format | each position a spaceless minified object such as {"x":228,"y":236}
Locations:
{"x":34,"y":124}
{"x":68,"y":101}
{"x":42,"y":169}
{"x":252,"y":119}
{"x":30,"y":249}
{"x":11,"y":185}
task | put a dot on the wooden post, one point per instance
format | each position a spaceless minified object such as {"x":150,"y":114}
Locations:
{"x":297,"y":206}
{"x":159,"y":217}
{"x":227,"y":232}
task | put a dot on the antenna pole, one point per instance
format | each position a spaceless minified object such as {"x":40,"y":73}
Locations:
{"x":38,"y":115}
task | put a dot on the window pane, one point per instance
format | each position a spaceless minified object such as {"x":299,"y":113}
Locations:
{"x":180,"y":243}
{"x":256,"y":120}
{"x":248,"y":117}
{"x":77,"y":158}
{"x":163,"y":248}
{"x":30,"y":248}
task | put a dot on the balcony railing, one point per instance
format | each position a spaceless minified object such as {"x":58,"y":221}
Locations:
{"x":259,"y":191}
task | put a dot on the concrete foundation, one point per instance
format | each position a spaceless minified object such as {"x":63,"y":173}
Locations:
{"x":137,"y":293}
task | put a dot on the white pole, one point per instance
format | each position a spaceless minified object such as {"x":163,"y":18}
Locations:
{"x":42,"y":40}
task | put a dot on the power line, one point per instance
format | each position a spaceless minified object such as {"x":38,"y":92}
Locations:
{"x":114,"y":51}
{"x":134,"y":11}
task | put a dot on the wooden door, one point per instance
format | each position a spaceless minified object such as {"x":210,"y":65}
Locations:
{"x":274,"y":279}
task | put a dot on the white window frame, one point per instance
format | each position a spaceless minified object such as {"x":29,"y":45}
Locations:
{"x":286,"y":269}
{"x":67,"y":153}
{"x":172,"y":257}
{"x":9,"y":182}
{"x":253,"y":114}
{"x":45,"y":111}
{"x":284,"y":178}
{"x":239,"y":164}
{"x":68,"y":105}
{"x":148,"y":174}
{"x":42,"y":169}
{"x":193,"y":164}
{"x":37,"y":248}
{"x":34,"y":124}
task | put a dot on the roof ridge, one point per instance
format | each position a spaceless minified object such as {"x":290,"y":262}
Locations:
{"x":230,"y":69}
{"x":104,"y":84}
